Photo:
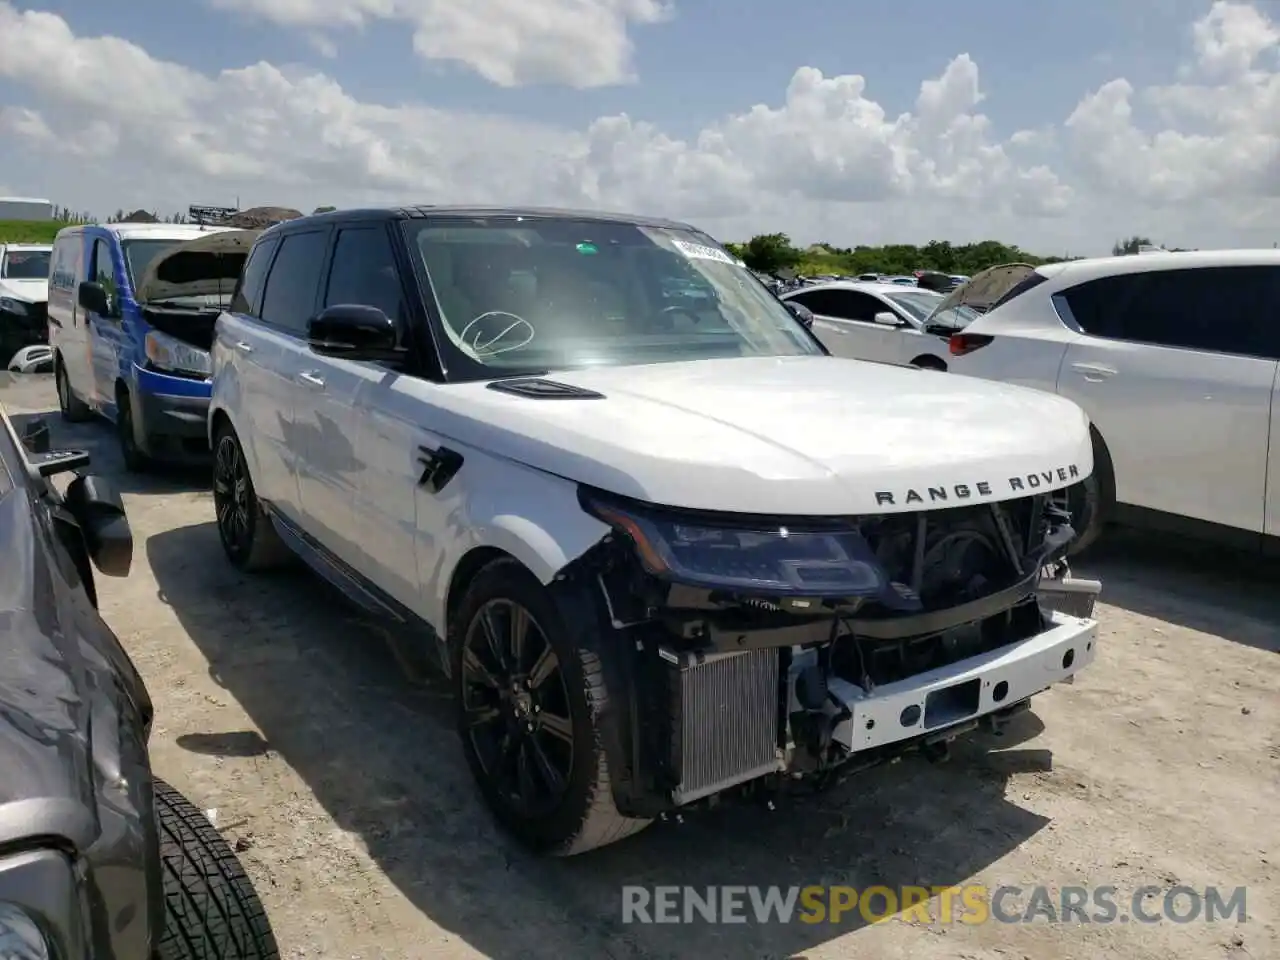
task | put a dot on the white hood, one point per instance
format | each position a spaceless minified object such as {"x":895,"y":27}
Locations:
{"x":802,"y":435}
{"x":204,"y":267}
{"x":28,"y":291}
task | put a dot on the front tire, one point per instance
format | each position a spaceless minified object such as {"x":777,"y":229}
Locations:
{"x":135,"y":458}
{"x":248,"y":536}
{"x":529,"y":713}
{"x":72,"y":408}
{"x":211,"y":911}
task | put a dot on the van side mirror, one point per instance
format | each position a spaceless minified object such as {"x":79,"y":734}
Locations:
{"x":96,"y":506}
{"x":354,"y":331}
{"x":94,"y":298}
{"x":800,"y":312}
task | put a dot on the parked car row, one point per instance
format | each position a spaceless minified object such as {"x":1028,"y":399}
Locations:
{"x":1173,"y":356}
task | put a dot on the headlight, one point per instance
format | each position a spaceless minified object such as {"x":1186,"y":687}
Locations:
{"x":169,"y":353}
{"x":14,"y":306}
{"x":751,"y":556}
{"x":20,"y":936}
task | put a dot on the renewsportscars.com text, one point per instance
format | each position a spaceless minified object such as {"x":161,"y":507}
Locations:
{"x":969,"y":904}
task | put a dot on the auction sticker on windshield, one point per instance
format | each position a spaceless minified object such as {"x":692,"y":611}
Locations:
{"x":700,"y":251}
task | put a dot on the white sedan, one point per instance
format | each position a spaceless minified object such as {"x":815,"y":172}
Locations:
{"x":885,"y":322}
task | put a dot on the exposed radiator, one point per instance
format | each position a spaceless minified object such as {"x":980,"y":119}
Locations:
{"x":725,"y":712}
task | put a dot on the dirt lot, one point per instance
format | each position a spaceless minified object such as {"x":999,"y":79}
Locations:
{"x":338,"y":775}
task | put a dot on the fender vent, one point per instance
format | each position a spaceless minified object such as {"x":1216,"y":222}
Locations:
{"x":540,"y":389}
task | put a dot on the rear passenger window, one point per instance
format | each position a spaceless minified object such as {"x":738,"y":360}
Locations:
{"x":248,"y":296}
{"x":294,"y":281}
{"x":364,"y":271}
{"x":1221,"y":309}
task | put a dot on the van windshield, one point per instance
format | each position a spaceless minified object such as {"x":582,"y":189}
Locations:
{"x":138,"y":255}
{"x":25,"y":265}
{"x":526,"y":294}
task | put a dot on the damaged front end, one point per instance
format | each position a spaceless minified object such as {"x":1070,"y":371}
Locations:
{"x":791,"y":648}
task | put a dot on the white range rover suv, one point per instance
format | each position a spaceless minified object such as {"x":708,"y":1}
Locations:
{"x":661,"y":542}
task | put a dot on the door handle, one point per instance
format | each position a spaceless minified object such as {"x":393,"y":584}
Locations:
{"x":244,"y":347}
{"x":311,"y":379}
{"x":1094,"y":372}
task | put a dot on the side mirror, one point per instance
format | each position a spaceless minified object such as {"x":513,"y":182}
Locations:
{"x":94,"y":298}
{"x":801,"y":313}
{"x":887,"y":319}
{"x":97,"y":508}
{"x":35,"y":436}
{"x":354,"y":332}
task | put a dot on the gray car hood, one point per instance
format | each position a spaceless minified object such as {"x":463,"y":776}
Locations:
{"x":985,"y":288}
{"x":207,"y":266}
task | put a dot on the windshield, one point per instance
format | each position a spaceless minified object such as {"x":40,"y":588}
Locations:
{"x":138,"y":255}
{"x":919,"y":304}
{"x":524,"y":295}
{"x":25,"y":265}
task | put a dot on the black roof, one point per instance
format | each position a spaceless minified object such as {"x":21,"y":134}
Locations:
{"x":425,"y":211}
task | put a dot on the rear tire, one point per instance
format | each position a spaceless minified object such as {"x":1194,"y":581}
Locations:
{"x":248,"y":536}
{"x":72,"y":408}
{"x":930,"y":363}
{"x":1092,"y":501}
{"x":211,"y":911}
{"x":574,"y":811}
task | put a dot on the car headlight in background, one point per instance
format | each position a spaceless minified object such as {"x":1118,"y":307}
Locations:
{"x":169,"y":353}
{"x":14,"y":306}
{"x":20,"y":936}
{"x":756,"y":557}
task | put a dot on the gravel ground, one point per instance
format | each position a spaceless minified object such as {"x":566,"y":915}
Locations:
{"x":332,"y":765}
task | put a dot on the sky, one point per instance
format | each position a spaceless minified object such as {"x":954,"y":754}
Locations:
{"x":1060,"y":127}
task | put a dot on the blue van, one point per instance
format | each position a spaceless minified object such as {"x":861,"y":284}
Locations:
{"x":132,"y":307}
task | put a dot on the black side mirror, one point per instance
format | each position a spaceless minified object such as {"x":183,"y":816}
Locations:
{"x":35,"y":435}
{"x":93,"y":297}
{"x":801,"y":313}
{"x":97,"y":508}
{"x":354,"y":332}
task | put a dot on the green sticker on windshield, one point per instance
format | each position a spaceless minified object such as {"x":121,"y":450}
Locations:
{"x":588,"y":248}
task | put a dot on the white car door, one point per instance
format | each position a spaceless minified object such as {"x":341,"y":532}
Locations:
{"x":1174,"y":372}
{"x":275,"y":364}
{"x":333,"y":419}
{"x":842,"y":320}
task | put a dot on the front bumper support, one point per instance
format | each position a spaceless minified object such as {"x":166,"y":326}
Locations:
{"x":962,"y":691}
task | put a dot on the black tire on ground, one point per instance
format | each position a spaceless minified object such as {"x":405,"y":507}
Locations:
{"x":211,"y":911}
{"x":135,"y":459}
{"x":248,"y":536}
{"x":72,"y":408}
{"x":1092,"y":501}
{"x":584,"y":817}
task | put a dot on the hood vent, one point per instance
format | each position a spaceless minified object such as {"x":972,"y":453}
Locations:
{"x":539,"y":389}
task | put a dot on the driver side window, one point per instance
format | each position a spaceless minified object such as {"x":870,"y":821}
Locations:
{"x":104,"y":272}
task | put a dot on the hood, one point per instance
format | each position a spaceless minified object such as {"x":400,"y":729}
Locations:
{"x":207,"y":266}
{"x":28,"y":291}
{"x":800,"y":435}
{"x":985,"y":288}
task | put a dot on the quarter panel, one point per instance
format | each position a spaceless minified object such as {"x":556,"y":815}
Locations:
{"x":531,"y":515}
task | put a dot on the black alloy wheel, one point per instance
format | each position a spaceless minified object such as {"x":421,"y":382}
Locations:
{"x":516,"y":710}
{"x":232,"y":497}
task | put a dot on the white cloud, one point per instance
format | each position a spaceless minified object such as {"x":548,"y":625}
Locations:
{"x":115,"y":126}
{"x":582,"y":43}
